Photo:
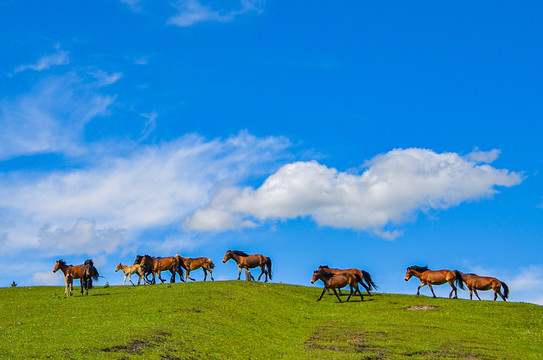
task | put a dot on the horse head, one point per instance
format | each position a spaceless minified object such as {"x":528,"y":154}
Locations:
{"x":316,"y":276}
{"x":227,"y":256}
{"x":58,"y":265}
{"x":119,"y":267}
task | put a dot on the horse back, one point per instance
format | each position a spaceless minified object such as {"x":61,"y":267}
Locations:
{"x":342,"y":279}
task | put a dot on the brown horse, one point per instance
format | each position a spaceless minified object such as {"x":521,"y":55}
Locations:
{"x":89,"y":272}
{"x":476,"y":282}
{"x":434,"y":277}
{"x":72,"y":272}
{"x":190,"y":264}
{"x":361,"y":273}
{"x":337,"y":281}
{"x":246,"y":261}
{"x":155,"y":265}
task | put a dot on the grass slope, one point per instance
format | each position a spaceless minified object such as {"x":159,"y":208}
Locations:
{"x":242,"y":320}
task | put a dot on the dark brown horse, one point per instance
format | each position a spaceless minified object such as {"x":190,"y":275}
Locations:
{"x":246,"y":261}
{"x":337,"y":281}
{"x":72,"y":272}
{"x":190,"y":264}
{"x":434,"y":277}
{"x":155,"y":265}
{"x":364,"y":275}
{"x":88,"y":273}
{"x":476,"y":282}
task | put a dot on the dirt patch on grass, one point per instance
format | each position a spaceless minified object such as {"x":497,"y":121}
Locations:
{"x":421,"y":307}
{"x":444,"y":353}
{"x":137,"y":346}
{"x":340,"y":338}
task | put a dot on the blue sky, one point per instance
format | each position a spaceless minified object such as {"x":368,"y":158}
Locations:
{"x":353,"y":134}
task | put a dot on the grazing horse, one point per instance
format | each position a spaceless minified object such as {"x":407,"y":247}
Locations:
{"x":72,"y":272}
{"x":361,"y":273}
{"x":129,"y":270}
{"x":246,"y":261}
{"x":190,"y":264}
{"x":434,"y":277}
{"x":155,"y":265}
{"x":337,"y":281}
{"x":89,"y":272}
{"x":476,"y":282}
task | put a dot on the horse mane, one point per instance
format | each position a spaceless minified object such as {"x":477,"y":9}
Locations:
{"x":62,"y":262}
{"x":418,"y":268}
{"x":325,"y":266}
{"x":238,"y":252}
{"x":325,"y":273}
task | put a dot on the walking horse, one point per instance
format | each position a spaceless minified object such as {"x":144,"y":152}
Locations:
{"x":129,"y":270}
{"x":190,"y":264}
{"x":246,"y":261}
{"x":434,"y":277}
{"x":155,"y":265}
{"x":364,"y":275}
{"x":476,"y":282}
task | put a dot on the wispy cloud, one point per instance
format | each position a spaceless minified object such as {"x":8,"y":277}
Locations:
{"x":150,"y":125}
{"x":75,"y":211}
{"x":192,"y":12}
{"x":51,"y":117}
{"x":393,"y":189}
{"x":46,"y":62}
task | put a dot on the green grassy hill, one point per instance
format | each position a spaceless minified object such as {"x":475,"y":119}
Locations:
{"x":242,"y":320}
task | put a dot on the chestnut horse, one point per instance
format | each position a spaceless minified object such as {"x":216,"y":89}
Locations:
{"x":434,"y":277}
{"x":246,"y":261}
{"x":72,"y":272}
{"x":129,"y":270}
{"x":475,"y":282}
{"x":337,"y":281}
{"x":155,"y":265}
{"x":361,"y":273}
{"x":190,"y":264}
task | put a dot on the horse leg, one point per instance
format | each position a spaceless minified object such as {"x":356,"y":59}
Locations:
{"x":451,"y":282}
{"x":205,"y":273}
{"x":431,"y":288}
{"x":239,"y":275}
{"x":361,"y":297}
{"x":476,"y":293}
{"x":210,"y":274}
{"x":421,"y":285}
{"x":350,"y":294}
{"x":161,"y":279}
{"x":263,"y":271}
{"x":366,"y":287}
{"x":130,"y":279}
{"x":470,"y":294}
{"x":320,"y":297}
{"x":82,"y":284}
{"x":124,"y":280}
{"x":337,"y":295}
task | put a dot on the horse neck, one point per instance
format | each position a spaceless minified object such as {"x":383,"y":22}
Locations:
{"x":64,"y":268}
{"x":417,"y":274}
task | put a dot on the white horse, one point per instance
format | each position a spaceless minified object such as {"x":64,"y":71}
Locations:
{"x":129,"y":270}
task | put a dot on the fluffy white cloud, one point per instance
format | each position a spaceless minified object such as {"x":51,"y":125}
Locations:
{"x":192,"y":12}
{"x":392,"y":189}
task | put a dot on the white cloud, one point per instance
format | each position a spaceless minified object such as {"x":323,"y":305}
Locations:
{"x":150,"y":125}
{"x":82,"y":238}
{"x":47,"y":278}
{"x":154,"y":186}
{"x":192,"y":12}
{"x":51,"y":118}
{"x":393,"y":188}
{"x":46,"y":62}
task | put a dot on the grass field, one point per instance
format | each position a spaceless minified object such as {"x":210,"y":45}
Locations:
{"x":247,"y":320}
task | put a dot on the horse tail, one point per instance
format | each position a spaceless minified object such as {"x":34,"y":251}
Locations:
{"x":358,"y":278}
{"x":459,"y":279}
{"x":505,"y":289}
{"x":210,"y":264}
{"x":269,"y":265}
{"x":94,"y":274}
{"x":367,"y":277}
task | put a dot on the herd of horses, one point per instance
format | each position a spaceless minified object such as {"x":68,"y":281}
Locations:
{"x":332,"y":278}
